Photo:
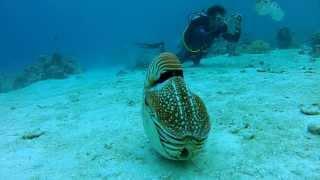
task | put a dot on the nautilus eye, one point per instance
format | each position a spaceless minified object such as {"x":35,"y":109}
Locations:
{"x":175,"y":119}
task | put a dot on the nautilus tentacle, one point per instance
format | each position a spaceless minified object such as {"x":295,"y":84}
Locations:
{"x":175,"y":119}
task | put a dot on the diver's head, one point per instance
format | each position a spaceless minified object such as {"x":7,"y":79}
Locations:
{"x":216,"y":16}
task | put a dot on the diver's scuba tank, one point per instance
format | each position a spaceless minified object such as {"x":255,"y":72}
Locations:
{"x":196,"y":14}
{"x":192,"y":17}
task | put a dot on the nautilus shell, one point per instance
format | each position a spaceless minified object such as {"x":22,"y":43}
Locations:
{"x":175,"y":119}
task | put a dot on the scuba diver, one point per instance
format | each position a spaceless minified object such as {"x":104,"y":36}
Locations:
{"x":203,"y":29}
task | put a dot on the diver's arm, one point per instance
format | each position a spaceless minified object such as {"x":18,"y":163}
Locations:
{"x":235,"y":36}
{"x":232,"y":37}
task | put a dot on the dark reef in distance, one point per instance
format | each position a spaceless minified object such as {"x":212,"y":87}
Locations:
{"x":315,"y":44}
{"x":48,"y":67}
{"x":284,"y":38}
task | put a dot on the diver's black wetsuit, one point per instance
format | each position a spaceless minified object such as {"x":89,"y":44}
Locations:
{"x":199,"y":37}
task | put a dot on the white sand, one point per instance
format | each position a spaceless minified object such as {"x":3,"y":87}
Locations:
{"x":93,"y":129}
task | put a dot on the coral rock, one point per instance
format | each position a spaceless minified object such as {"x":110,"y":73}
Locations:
{"x":315,"y":44}
{"x":311,"y":110}
{"x":256,"y":47}
{"x":284,"y":38}
{"x":48,"y":67}
{"x":314,"y":128}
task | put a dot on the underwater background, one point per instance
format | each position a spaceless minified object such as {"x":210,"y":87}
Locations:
{"x":76,"y":91}
{"x":103,"y":32}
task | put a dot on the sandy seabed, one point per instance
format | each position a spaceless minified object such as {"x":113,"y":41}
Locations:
{"x":90,"y":126}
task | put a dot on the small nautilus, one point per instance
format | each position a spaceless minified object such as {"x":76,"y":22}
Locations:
{"x":175,"y":120}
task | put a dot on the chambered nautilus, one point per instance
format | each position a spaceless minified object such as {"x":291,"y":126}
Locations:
{"x":175,"y":119}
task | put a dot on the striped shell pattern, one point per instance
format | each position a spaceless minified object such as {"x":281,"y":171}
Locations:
{"x":175,"y":120}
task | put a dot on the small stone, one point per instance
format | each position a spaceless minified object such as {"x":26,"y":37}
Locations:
{"x":314,"y":128}
{"x":243,"y":71}
{"x":313,"y":59}
{"x":108,"y":146}
{"x":261,"y":70}
{"x":41,"y":107}
{"x":94,"y":157}
{"x":304,"y":68}
{"x":235,"y":130}
{"x":32,"y":135}
{"x":278,"y":71}
{"x":74,"y":98}
{"x":310,"y":72}
{"x":311,"y":110}
{"x":250,"y":66}
{"x":122,"y":72}
{"x":13,"y":108}
{"x":246,"y":125}
{"x":131,"y":103}
{"x":248,"y":136}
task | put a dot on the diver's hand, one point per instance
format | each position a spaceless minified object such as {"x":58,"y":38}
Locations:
{"x":238,"y":19}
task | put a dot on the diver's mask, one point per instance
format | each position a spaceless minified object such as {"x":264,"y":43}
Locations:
{"x":217,"y":22}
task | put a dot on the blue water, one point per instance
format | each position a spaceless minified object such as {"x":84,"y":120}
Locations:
{"x":264,"y":109}
{"x":104,"y":31}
